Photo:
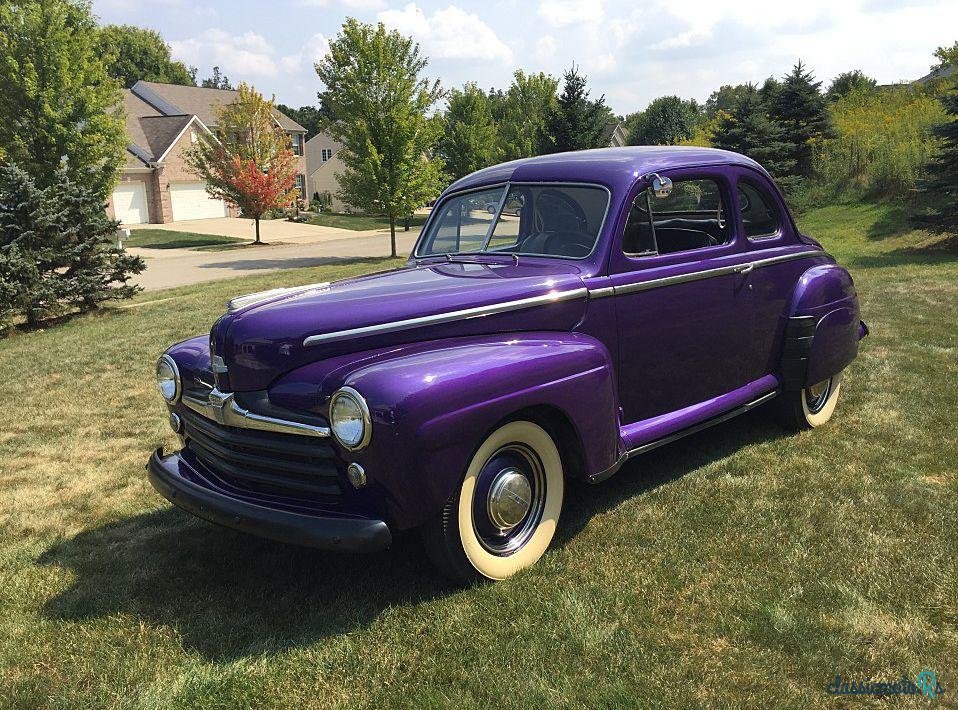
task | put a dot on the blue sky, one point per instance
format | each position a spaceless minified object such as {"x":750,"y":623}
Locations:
{"x":632,"y":51}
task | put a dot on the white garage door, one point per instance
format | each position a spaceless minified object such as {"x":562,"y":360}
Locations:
{"x":190,"y":201}
{"x":129,"y":203}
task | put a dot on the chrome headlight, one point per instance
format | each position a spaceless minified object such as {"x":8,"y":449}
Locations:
{"x":168,"y":379}
{"x":349,"y":418}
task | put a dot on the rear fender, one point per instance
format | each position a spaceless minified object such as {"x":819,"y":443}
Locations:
{"x":823,"y":327}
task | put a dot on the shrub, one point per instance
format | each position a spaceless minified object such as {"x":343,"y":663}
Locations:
{"x":56,"y":249}
{"x":884,"y":138}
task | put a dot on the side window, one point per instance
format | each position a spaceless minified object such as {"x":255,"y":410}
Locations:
{"x":693,"y":216}
{"x":759,"y":212}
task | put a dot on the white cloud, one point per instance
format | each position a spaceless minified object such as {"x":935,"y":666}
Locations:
{"x":312,"y":52}
{"x":351,"y":4}
{"x":247,"y":54}
{"x":449,"y":33}
{"x":563,"y":13}
{"x":546,"y":48}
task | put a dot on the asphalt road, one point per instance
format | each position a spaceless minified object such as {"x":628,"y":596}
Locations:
{"x":167,"y":268}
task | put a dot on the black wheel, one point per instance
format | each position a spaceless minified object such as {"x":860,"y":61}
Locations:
{"x":503,"y":515}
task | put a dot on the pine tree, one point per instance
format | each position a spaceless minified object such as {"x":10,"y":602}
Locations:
{"x":56,"y":251}
{"x":941,"y":185}
{"x":798,"y":105}
{"x":747,"y":129}
{"x":470,"y":138}
{"x":576,"y":122}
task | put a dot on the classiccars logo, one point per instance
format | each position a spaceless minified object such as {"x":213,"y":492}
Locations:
{"x":926,"y":683}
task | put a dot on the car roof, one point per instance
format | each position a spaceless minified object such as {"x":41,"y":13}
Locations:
{"x":614,"y":167}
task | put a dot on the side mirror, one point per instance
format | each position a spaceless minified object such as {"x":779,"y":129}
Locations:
{"x":661,"y":186}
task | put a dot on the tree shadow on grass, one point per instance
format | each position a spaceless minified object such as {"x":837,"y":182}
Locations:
{"x":243,"y":264}
{"x":230,"y":595}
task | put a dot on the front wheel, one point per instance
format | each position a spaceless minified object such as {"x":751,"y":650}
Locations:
{"x":504,"y":514}
{"x":810,"y":407}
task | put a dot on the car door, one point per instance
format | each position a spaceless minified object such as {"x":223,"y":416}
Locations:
{"x":682,"y":303}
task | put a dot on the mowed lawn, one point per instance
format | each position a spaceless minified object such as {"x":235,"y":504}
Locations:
{"x":740,"y":567}
{"x":169,"y":239}
{"x":362,"y":221}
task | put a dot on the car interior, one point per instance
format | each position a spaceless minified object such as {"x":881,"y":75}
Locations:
{"x":691,"y":217}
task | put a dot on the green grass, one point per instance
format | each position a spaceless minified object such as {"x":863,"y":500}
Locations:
{"x":740,"y":567}
{"x":362,"y":222}
{"x":167,"y":239}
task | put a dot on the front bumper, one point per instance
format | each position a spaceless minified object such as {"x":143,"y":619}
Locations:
{"x":347,"y":534}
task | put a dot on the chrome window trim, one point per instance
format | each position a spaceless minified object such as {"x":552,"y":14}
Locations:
{"x":222,"y":407}
{"x":438,"y":318}
{"x":367,"y":419}
{"x":508,"y":184}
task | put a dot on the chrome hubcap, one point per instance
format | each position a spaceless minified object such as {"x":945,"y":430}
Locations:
{"x":817,"y":395}
{"x":510,"y":497}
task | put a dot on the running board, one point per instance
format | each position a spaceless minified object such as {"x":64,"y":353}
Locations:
{"x":694,"y":429}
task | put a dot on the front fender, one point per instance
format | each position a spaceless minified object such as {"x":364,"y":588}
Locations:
{"x":433,"y":405}
{"x":823,"y":328}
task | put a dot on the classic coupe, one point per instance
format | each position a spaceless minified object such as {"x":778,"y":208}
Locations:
{"x":558,"y":316}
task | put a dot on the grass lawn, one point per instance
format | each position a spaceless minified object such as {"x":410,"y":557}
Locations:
{"x":361,"y":221}
{"x":740,"y":567}
{"x":167,"y":239}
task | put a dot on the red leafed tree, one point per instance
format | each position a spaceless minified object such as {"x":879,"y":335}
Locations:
{"x":249,"y":162}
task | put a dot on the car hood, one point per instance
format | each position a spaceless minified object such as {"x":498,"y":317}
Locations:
{"x":266,"y":335}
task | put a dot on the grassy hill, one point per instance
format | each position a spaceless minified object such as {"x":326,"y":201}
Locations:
{"x":741,"y":566}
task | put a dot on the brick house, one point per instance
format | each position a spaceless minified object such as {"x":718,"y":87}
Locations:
{"x":163,"y":121}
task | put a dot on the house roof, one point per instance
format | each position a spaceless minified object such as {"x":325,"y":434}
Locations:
{"x":172,"y":99}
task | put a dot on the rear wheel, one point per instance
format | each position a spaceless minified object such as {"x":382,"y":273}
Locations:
{"x":503,"y":515}
{"x":810,"y":407}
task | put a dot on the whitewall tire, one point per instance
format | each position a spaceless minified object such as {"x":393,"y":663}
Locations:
{"x":810,"y":407}
{"x":503,"y":515}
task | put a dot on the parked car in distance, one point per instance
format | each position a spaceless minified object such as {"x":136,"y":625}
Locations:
{"x":612,"y":302}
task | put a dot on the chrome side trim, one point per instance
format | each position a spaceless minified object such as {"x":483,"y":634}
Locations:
{"x":438,"y":318}
{"x":222,"y":407}
{"x":710,"y":273}
{"x":251,"y":299}
{"x":603,"y":292}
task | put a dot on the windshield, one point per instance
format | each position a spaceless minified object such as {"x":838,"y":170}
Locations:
{"x":535,"y":219}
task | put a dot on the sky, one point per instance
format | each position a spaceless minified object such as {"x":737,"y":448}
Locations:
{"x":631,"y":50}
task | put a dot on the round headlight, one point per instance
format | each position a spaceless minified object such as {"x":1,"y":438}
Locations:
{"x":168,"y":379}
{"x":349,"y":418}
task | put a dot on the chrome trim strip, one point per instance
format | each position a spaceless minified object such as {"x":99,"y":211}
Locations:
{"x":222,"y":407}
{"x":710,"y":273}
{"x":438,"y":318}
{"x":603,"y":292}
{"x":251,"y":299}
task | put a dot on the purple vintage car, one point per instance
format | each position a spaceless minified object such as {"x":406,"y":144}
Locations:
{"x":558,"y":316}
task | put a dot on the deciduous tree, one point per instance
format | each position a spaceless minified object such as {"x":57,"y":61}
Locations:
{"x":134,"y":53}
{"x":58,"y":105}
{"x":470,"y":138}
{"x":847,"y":82}
{"x":377,"y":100}
{"x":249,"y":162}
{"x":522,"y":111}
{"x":668,"y":120}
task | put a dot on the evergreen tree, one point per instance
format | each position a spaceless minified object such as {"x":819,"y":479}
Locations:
{"x":802,"y":111}
{"x":377,"y":99}
{"x":57,"y":102}
{"x":575,"y":122}
{"x":217,"y":81}
{"x":940,"y":189}
{"x":470,"y":139}
{"x":309,"y":117}
{"x":56,"y":248}
{"x":135,"y":53}
{"x":747,"y":129}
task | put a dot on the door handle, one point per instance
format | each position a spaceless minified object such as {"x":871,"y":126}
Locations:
{"x":746,"y":268}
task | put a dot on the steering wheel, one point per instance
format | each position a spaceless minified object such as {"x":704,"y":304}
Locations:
{"x":575,"y":244}
{"x":573,"y":206}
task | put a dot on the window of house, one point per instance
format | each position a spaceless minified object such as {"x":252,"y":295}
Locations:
{"x":193,"y":137}
{"x":759,"y":213}
{"x":693,"y":216}
{"x":327,"y":154}
{"x":301,"y":185}
{"x":297,"y":144}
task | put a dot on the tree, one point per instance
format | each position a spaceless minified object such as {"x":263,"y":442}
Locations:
{"x":249,"y":163}
{"x":668,"y":120}
{"x":847,"y":82}
{"x":470,"y":139}
{"x":575,"y":122}
{"x":747,"y":129}
{"x":58,"y":104}
{"x":377,"y":99}
{"x":940,"y":187}
{"x":217,"y":81}
{"x":309,"y":117}
{"x":946,"y":56}
{"x":522,"y":111}
{"x":799,"y":107}
{"x":56,"y":247}
{"x":723,"y":99}
{"x":135,"y":53}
